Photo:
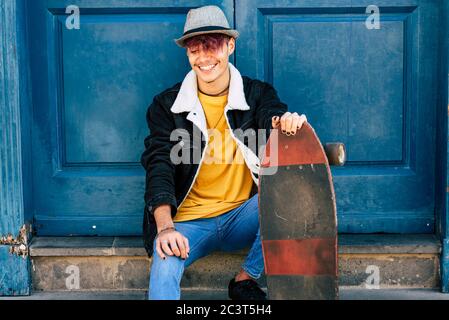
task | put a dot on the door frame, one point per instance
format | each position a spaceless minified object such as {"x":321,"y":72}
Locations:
{"x":15,"y":213}
{"x":442,"y":182}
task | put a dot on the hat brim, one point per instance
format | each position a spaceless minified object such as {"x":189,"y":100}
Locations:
{"x":231,"y":33}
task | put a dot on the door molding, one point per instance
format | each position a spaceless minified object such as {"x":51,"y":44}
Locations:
{"x":443,"y":183}
{"x":14,"y":270}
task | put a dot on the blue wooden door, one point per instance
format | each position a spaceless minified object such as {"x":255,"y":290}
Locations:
{"x":373,"y":89}
{"x":91,"y":89}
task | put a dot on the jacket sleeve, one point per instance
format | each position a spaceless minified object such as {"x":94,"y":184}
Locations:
{"x":269,"y":106}
{"x":160,"y":170}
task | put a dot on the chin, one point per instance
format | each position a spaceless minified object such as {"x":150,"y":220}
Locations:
{"x":208,"y":78}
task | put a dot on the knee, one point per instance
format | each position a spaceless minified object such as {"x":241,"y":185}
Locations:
{"x":168,"y":268}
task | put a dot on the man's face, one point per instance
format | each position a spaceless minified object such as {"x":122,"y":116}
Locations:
{"x":210,"y":65}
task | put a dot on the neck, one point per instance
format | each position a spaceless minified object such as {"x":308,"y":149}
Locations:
{"x":218,"y":87}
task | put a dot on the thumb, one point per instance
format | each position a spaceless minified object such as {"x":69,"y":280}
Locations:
{"x":275,"y":121}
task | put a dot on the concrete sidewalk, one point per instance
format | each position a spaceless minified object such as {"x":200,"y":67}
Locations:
{"x":346,"y":293}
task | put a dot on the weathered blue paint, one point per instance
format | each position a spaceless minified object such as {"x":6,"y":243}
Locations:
{"x":91,"y":88}
{"x":443,"y":213}
{"x":445,"y":266}
{"x":14,"y":273}
{"x":14,"y":270}
{"x":361,"y":87}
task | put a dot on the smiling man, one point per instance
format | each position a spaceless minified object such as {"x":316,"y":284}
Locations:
{"x":193,"y":209}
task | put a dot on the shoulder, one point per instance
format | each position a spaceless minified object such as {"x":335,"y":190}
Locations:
{"x":255,"y":84}
{"x":251,"y":83}
{"x":257,"y":89}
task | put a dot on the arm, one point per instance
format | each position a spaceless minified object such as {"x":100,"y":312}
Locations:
{"x":269,"y":107}
{"x":170,"y":241}
{"x":160,"y":171}
{"x":160,"y":181}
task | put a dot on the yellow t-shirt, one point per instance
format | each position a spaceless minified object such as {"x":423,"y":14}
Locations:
{"x":224,"y":181}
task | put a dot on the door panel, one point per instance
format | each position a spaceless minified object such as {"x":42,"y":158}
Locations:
{"x":362,"y":87}
{"x":91,"y":89}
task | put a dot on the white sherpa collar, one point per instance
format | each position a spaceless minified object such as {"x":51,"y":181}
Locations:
{"x":187,"y":97}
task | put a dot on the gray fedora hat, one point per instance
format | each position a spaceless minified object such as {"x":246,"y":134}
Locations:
{"x":207,"y":19}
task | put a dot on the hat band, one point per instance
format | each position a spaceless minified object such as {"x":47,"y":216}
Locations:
{"x":208,"y":28}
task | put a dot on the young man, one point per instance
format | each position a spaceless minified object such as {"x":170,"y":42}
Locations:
{"x":194,"y":208}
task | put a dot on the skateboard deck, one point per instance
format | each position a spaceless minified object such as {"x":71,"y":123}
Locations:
{"x":298,"y":221}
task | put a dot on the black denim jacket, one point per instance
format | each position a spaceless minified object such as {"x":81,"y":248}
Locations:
{"x":254,"y":104}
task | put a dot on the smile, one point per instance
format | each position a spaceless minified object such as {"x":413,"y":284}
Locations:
{"x":207,"y":68}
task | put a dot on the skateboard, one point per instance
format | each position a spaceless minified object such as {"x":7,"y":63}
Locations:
{"x":298,"y":221}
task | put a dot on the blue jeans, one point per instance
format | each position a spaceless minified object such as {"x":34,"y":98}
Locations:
{"x":234,"y":230}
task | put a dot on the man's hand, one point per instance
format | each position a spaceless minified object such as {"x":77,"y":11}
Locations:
{"x":289,"y":123}
{"x":172,"y":242}
{"x":169,"y":241}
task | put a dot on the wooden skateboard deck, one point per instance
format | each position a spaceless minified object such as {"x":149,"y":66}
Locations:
{"x":298,"y":221}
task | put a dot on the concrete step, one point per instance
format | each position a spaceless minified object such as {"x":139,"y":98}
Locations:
{"x":346,"y":293}
{"x":120,"y":263}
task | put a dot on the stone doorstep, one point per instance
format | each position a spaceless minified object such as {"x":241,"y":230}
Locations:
{"x":345,"y":293}
{"x":133,"y":246}
{"x":120,"y":263}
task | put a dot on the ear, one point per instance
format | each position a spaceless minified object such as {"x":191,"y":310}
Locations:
{"x":231,"y":46}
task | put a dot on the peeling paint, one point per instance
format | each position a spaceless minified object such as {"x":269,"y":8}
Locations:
{"x":19,"y":245}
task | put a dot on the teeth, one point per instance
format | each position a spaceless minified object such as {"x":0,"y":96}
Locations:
{"x":207,"y":67}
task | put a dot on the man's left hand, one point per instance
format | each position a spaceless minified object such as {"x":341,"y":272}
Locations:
{"x":289,"y":123}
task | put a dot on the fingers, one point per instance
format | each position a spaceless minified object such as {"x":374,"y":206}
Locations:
{"x":284,"y":118}
{"x":159,"y":250}
{"x":173,"y":244}
{"x":290,"y":123}
{"x":275,"y":122}
{"x":174,"y":247}
{"x":182,"y":248}
{"x":302,"y":119}
{"x":294,"y":125}
{"x":183,"y":245}
{"x":186,"y":241}
{"x":166,"y":248}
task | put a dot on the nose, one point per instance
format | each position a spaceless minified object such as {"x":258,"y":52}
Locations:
{"x":205,"y":56}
